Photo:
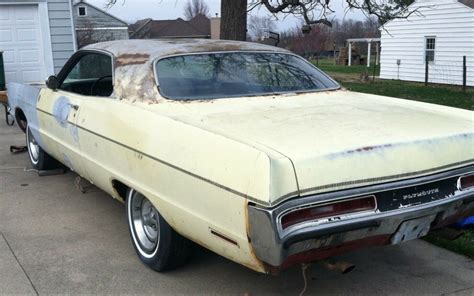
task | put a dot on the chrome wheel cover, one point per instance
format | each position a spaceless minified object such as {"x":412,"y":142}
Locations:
{"x":144,"y":224}
{"x":33,"y":147}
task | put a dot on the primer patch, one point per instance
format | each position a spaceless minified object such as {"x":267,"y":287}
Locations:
{"x":61,"y":110}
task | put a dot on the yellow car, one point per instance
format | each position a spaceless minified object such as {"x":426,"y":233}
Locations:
{"x":247,"y":150}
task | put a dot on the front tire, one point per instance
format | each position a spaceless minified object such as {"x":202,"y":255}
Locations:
{"x":39,"y":159}
{"x":156,"y":243}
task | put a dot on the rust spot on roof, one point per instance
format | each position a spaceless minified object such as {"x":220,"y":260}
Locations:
{"x":132,"y":59}
{"x":219,"y":47}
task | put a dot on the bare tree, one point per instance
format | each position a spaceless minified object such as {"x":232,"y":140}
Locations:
{"x":319,"y":11}
{"x":322,"y":39}
{"x":234,"y":12}
{"x":259,"y":26}
{"x":233,"y":19}
{"x":194,"y":8}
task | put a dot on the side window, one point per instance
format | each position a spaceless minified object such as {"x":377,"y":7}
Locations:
{"x":90,"y":76}
{"x":430,"y":45}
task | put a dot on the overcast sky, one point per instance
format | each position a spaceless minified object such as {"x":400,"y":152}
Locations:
{"x":133,"y":10}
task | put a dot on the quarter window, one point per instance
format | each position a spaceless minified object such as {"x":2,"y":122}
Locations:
{"x":90,"y":76}
{"x":430,"y":46}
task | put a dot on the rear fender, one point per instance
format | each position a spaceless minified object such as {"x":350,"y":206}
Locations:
{"x":23,"y":99}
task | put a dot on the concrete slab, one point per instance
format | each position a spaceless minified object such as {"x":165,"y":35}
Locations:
{"x":69,"y":242}
{"x":13,"y":279}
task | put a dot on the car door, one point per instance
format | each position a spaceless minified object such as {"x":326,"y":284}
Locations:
{"x":87,"y":74}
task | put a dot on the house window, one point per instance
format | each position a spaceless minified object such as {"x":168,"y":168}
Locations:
{"x":430,"y":45}
{"x":82,"y":11}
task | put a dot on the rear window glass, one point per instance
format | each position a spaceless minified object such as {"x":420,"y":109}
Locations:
{"x":221,"y":75}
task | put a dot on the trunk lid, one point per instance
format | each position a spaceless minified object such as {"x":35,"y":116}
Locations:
{"x":341,"y":139}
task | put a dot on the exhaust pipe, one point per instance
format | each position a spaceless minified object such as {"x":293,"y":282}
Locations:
{"x":340,"y":266}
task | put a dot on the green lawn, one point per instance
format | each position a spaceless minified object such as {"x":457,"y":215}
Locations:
{"x":327,"y":65}
{"x":453,"y":96}
{"x":350,"y":77}
{"x":463,"y":245}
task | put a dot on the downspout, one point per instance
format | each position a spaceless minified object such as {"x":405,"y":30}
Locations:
{"x":73,"y":27}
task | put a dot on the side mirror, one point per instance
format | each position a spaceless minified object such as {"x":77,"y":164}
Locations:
{"x":52,"y":82}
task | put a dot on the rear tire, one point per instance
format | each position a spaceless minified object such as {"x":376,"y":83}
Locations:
{"x":156,"y":243}
{"x":39,"y":159}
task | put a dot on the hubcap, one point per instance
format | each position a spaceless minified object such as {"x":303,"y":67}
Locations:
{"x":33,"y":148}
{"x":145,"y":223}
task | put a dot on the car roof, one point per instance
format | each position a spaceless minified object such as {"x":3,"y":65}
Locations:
{"x":157,"y":48}
{"x":134,"y":78}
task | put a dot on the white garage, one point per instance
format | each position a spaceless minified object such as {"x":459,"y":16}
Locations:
{"x":36,"y":38}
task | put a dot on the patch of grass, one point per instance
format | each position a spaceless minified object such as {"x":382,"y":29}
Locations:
{"x":446,"y":95}
{"x":327,"y":65}
{"x":463,"y":245}
{"x":452,"y":96}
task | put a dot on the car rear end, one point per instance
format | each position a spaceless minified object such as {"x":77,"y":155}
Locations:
{"x":310,"y":228}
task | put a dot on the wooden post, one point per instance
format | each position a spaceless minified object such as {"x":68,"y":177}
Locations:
{"x":373,"y":74}
{"x":377,"y":44}
{"x":369,"y":46}
{"x":464,"y":73}
{"x":334,"y":54}
{"x":426,"y":70}
{"x":349,"y":55}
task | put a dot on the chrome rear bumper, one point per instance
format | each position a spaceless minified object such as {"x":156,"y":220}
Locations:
{"x":276,"y":246}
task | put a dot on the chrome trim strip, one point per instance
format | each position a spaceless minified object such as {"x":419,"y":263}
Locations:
{"x":164,"y":162}
{"x":244,"y":195}
{"x":466,"y":166}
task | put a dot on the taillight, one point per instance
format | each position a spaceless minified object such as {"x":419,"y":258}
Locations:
{"x":333,"y":209}
{"x":466,"y":182}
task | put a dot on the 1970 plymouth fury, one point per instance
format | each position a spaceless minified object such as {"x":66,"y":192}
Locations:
{"x":247,"y":150}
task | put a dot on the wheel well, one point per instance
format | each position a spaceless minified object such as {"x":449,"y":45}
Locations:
{"x":21,"y":119}
{"x":120,"y":188}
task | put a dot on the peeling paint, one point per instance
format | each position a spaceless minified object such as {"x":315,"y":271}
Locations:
{"x":369,"y":148}
{"x":131,"y":59}
{"x":427,"y":143}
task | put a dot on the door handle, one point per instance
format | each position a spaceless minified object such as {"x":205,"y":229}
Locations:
{"x":75,"y":107}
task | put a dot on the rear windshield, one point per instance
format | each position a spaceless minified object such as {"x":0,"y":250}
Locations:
{"x":221,"y":75}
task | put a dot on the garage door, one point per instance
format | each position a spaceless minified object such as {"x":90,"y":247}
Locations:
{"x":21,"y":43}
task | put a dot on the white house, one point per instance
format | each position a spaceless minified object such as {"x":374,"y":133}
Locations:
{"x":36,"y":38}
{"x":93,"y":24}
{"x":441,"y":31}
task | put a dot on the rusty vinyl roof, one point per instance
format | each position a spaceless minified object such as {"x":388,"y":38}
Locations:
{"x":134,"y":79}
{"x":156,"y":48}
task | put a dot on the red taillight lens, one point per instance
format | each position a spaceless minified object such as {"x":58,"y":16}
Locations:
{"x":347,"y":206}
{"x":466,"y":182}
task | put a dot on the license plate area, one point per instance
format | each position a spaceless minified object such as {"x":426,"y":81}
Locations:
{"x":416,"y":195}
{"x":413,"y":229}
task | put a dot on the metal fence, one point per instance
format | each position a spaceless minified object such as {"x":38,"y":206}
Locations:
{"x":449,"y":73}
